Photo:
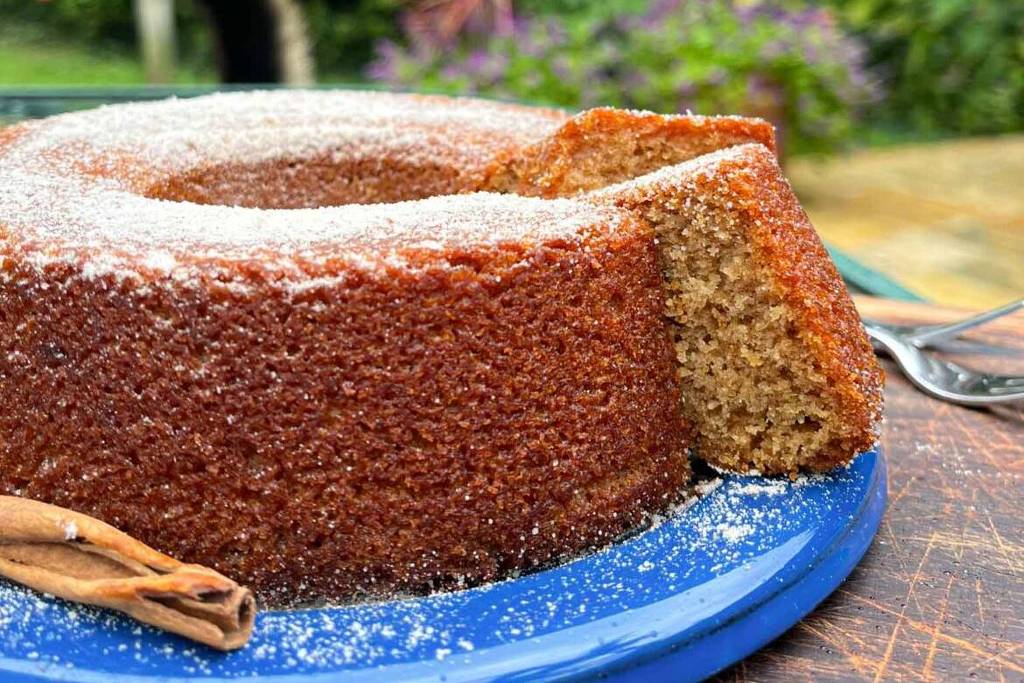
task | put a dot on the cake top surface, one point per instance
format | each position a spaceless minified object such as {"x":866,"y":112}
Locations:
{"x":687,"y":173}
{"x":72,"y":186}
{"x":249,"y":127}
{"x":69,"y":220}
{"x":687,"y":117}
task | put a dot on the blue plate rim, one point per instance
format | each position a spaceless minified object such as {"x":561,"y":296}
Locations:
{"x":831,"y":566}
{"x":811,"y":570}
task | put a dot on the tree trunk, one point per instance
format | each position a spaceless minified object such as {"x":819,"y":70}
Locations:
{"x":294,"y":51}
{"x":154,"y":20}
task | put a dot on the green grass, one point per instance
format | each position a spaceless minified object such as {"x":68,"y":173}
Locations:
{"x":28,"y":58}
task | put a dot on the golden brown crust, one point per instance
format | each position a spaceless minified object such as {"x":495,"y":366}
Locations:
{"x":807,"y":279}
{"x":401,"y":431}
{"x":387,"y":418}
{"x":560,"y":164}
{"x":469,"y":415}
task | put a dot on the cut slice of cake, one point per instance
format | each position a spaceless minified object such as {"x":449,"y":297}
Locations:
{"x":775,"y":370}
{"x":604,"y":145}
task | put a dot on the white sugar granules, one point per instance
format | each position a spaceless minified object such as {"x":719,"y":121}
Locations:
{"x":70,"y":530}
{"x":70,"y":185}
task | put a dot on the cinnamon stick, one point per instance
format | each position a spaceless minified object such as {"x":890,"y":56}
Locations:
{"x":78,"y":558}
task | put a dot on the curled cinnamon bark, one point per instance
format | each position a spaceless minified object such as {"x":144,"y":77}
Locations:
{"x":78,"y":558}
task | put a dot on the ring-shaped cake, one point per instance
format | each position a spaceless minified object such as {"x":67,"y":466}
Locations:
{"x":284,"y":334}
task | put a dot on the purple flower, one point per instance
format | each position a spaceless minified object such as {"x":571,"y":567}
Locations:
{"x":554,"y":31}
{"x":758,"y":87}
{"x":521,"y":25}
{"x":476,"y":61}
{"x":383,"y":68}
{"x":496,"y":66}
{"x":746,"y":13}
{"x":772,"y":50}
{"x":451,"y":71}
{"x":660,"y":10}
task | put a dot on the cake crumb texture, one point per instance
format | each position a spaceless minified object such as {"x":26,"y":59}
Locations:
{"x":775,"y":370}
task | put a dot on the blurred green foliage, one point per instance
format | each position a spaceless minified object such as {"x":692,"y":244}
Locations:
{"x":24,"y":61}
{"x":789,"y":63}
{"x":944,"y":66}
{"x":344,"y":33}
{"x":107,"y":22}
{"x":949,"y":66}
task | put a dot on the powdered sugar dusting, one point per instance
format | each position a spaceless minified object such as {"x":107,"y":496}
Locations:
{"x":70,"y":185}
{"x":114,"y":230}
{"x":178,"y":134}
{"x":70,"y":530}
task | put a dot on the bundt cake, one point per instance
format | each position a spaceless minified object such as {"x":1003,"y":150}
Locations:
{"x":381,"y":390}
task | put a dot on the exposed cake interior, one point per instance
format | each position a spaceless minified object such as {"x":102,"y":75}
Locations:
{"x":758,"y":397}
{"x":739,"y":259}
{"x":756,"y":390}
{"x":774,"y":370}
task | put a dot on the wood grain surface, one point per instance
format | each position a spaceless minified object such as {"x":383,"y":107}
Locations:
{"x":939,"y":595}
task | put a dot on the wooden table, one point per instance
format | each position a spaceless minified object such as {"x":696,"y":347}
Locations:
{"x":940,"y":593}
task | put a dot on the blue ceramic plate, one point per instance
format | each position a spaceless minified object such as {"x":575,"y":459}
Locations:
{"x":705,"y":587}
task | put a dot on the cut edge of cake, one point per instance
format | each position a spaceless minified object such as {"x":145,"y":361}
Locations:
{"x":775,"y":370}
{"x":601,"y":146}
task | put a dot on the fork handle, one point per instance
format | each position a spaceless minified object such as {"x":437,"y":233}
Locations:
{"x":926,"y":334}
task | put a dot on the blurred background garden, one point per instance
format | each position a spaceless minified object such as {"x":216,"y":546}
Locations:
{"x":900,"y":120}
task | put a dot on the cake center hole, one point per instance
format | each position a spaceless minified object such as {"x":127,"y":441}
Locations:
{"x":326,"y":180}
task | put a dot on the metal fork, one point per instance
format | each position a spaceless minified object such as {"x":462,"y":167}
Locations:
{"x":944,"y":379}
